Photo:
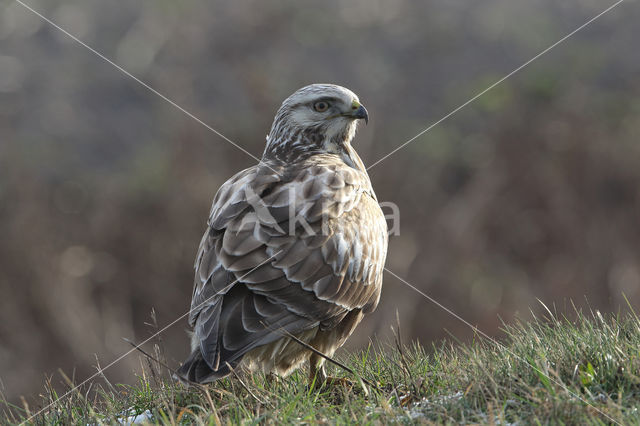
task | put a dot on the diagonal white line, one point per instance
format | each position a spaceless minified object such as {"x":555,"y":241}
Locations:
{"x":500,"y":345}
{"x":495,"y":84}
{"x":148,"y":87}
{"x":162,"y":330}
{"x":128,"y":74}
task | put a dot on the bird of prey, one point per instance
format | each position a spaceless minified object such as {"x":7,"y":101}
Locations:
{"x":295,"y":244}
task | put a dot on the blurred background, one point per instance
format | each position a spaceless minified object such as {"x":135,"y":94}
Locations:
{"x":531,"y":192}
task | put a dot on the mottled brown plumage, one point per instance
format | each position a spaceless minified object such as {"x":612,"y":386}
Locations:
{"x":296,"y":243}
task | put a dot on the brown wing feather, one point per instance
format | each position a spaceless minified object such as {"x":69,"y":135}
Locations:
{"x":290,"y":274}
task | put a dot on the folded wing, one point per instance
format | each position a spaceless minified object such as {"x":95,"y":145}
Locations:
{"x":284,"y":252}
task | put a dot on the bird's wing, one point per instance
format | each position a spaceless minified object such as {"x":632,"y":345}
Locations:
{"x":305,"y":247}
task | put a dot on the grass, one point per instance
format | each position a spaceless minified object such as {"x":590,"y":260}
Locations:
{"x":552,"y":371}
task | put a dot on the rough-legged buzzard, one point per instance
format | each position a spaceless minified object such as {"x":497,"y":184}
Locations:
{"x":296,"y":243}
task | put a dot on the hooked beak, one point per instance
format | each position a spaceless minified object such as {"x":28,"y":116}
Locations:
{"x":357,"y":112}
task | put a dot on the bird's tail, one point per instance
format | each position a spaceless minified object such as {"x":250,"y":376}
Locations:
{"x":196,"y":370}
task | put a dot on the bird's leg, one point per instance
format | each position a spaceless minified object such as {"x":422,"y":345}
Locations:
{"x":316,"y":371}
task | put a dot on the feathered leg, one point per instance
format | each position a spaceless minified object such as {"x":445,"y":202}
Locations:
{"x":316,"y":371}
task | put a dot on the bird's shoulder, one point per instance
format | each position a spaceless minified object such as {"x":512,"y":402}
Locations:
{"x":319,"y":185}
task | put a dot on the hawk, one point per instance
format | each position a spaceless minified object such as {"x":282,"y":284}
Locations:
{"x":295,"y":244}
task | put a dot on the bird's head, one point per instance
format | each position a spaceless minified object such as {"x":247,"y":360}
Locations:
{"x":316,"y":118}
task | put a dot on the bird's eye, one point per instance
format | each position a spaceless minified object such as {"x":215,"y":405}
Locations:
{"x":321,"y":106}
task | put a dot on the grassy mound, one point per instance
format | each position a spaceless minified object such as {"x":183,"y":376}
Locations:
{"x":585,"y":371}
